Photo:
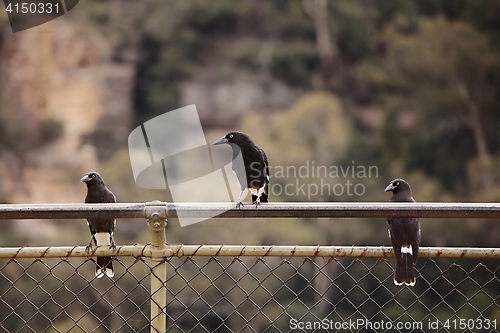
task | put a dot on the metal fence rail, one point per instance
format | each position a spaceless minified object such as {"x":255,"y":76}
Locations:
{"x":181,"y":250}
{"x":270,"y":210}
{"x":162,"y":287}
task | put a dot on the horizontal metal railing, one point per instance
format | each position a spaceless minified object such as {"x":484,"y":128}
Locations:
{"x":161,"y":254}
{"x":242,"y":251}
{"x":265,"y":210}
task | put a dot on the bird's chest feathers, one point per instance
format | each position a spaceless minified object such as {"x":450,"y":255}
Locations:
{"x":99,"y":195}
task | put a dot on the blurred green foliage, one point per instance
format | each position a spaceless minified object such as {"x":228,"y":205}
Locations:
{"x":21,"y":133}
{"x":428,"y":69}
{"x":425,"y":64}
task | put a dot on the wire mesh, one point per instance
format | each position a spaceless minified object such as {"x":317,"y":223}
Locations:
{"x":250,"y":294}
{"x":54,"y":295}
{"x":318,"y":294}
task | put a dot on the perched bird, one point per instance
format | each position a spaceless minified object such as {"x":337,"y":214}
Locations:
{"x":404,"y":233}
{"x":255,"y":174}
{"x":101,"y":229}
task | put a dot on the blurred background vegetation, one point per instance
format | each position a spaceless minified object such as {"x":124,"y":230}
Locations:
{"x":411,"y":87}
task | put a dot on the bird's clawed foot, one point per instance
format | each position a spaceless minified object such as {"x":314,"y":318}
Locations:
{"x":239,"y":204}
{"x":88,"y":248}
{"x":112,"y":247}
{"x":257,"y":202}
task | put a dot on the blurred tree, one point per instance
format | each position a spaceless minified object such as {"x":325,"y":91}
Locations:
{"x":316,"y":127}
{"x":328,"y":51}
{"x":20,"y":132}
{"x":448,"y":73}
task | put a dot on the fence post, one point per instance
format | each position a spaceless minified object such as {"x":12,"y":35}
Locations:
{"x":156,"y":215}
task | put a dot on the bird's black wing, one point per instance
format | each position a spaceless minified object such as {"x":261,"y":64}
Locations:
{"x":238,"y":167}
{"x":266,"y":172}
{"x":255,"y":165}
{"x":404,"y":230}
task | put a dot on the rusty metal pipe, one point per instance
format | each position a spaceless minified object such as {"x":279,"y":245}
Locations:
{"x":244,"y":251}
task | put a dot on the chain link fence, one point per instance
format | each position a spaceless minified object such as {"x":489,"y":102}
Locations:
{"x":62,"y":295}
{"x":357,"y":295}
{"x":250,"y":294}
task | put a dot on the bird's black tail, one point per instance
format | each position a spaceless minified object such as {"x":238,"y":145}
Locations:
{"x":104,"y":266}
{"x":404,"y":273}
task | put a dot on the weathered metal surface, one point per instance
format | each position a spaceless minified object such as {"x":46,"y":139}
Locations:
{"x":243,"y":250}
{"x":71,"y":211}
{"x":265,"y":210}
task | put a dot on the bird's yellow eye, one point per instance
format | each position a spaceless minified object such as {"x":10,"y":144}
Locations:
{"x":92,"y":175}
{"x":231,"y":136}
{"x":397,"y":183}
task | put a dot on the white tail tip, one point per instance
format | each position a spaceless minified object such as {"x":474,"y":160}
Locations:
{"x":411,"y":284}
{"x":407,"y":249}
{"x":108,"y":271}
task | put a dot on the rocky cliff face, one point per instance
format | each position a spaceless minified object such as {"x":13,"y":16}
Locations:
{"x":56,"y":72}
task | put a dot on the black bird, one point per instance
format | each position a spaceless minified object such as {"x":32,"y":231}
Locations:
{"x":405,"y":235}
{"x":101,"y":229}
{"x":255,"y":174}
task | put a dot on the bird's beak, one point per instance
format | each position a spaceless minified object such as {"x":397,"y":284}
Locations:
{"x":389,"y":187}
{"x":220,"y":141}
{"x":85,"y":178}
